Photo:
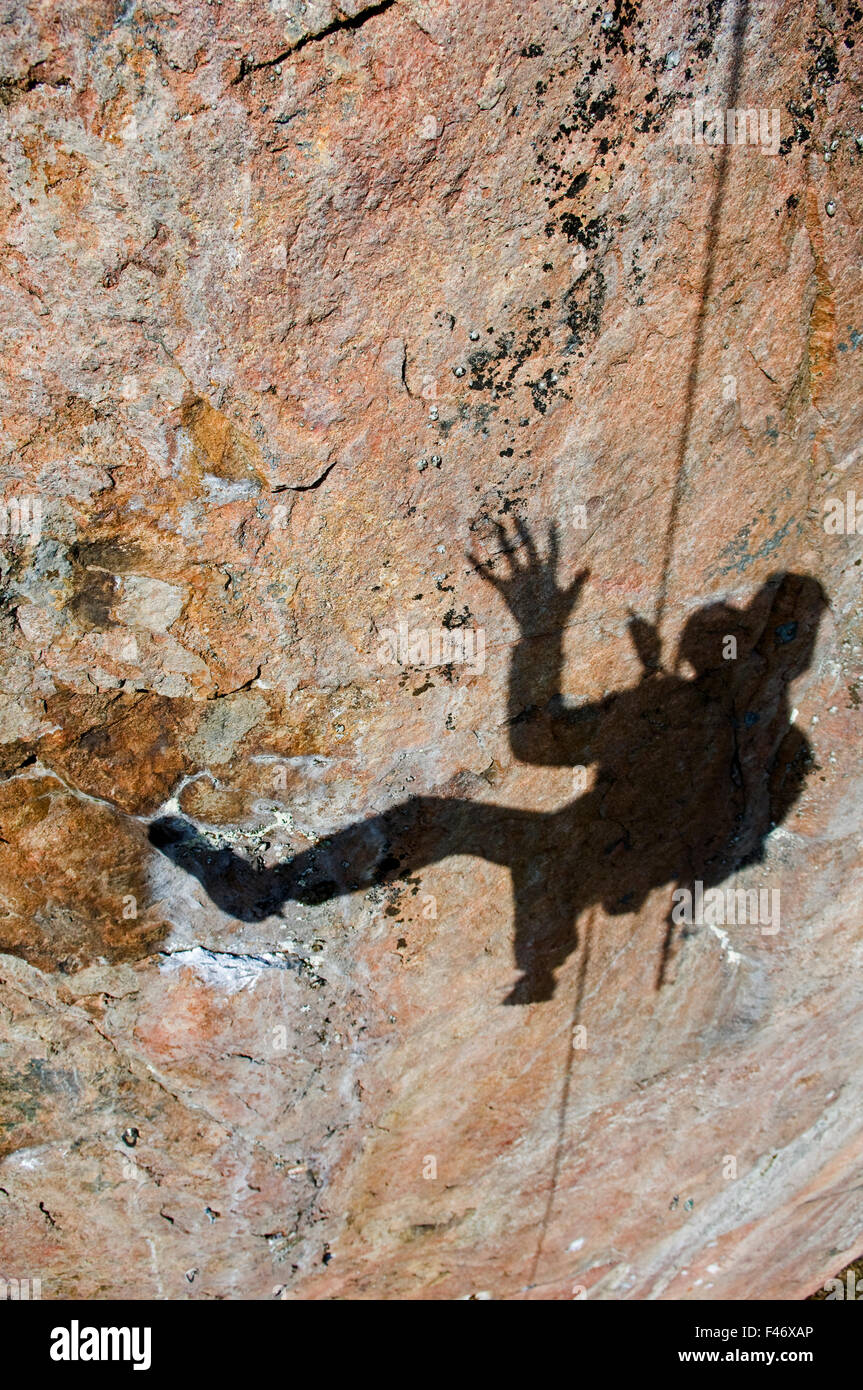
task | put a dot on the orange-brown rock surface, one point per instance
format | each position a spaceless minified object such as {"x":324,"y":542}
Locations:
{"x":305,"y":304}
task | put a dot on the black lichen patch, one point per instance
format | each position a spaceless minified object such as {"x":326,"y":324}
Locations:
{"x":636,"y":277}
{"x":616,"y":23}
{"x":583,"y":304}
{"x":451,"y":619}
{"x":824,"y":71}
{"x":710,"y":21}
{"x":588,"y":233}
{"x":656,"y":117}
{"x":803,"y":116}
{"x":586,"y":111}
{"x":495,"y":369}
{"x":543,"y":388}
{"x":575,"y":186}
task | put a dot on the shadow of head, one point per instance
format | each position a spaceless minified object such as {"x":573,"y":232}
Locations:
{"x":778,"y":628}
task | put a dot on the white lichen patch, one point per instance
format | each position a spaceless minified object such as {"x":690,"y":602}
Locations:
{"x":223,"y":970}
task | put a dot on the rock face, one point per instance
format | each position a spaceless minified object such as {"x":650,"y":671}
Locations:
{"x":303,"y":302}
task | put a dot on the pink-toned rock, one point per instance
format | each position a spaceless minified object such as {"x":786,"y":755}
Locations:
{"x":303,"y":303}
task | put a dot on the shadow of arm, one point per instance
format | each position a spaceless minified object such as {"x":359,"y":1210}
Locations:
{"x":542,"y":730}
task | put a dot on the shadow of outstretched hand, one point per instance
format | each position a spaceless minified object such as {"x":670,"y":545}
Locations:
{"x":531,"y":591}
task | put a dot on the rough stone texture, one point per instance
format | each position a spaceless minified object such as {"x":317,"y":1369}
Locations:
{"x":245,"y":247}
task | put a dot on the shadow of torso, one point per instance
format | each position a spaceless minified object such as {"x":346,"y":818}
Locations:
{"x":690,"y":776}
